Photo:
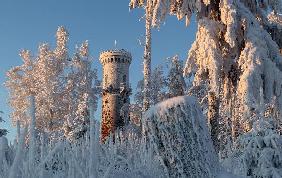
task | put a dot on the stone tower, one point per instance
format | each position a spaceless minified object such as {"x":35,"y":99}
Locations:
{"x":116,"y":90}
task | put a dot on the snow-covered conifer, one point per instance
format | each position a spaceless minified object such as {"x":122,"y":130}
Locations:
{"x":236,"y":52}
{"x":158,"y":85}
{"x":158,"y":90}
{"x":175,"y":80}
{"x":258,"y":153}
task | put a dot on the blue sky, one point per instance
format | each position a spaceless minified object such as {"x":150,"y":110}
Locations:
{"x":24,"y":24}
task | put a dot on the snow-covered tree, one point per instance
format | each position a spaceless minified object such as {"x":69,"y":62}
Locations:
{"x":138,"y":96}
{"x":158,"y":85}
{"x":19,"y":79}
{"x":157,"y":89}
{"x":258,"y":153}
{"x":41,"y":76}
{"x":272,"y":112}
{"x":81,"y":87}
{"x":236,"y":52}
{"x":48,"y":73}
{"x":147,"y":50}
{"x":61,"y":86}
{"x":135,"y":113}
{"x":158,"y":92}
{"x":175,"y":80}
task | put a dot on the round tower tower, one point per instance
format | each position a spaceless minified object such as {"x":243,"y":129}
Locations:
{"x":116,"y":90}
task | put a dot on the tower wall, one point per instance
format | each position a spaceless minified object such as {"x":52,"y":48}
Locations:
{"x":116,"y":89}
{"x":113,"y":74}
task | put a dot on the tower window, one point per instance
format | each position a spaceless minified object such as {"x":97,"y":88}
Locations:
{"x":124,"y":78}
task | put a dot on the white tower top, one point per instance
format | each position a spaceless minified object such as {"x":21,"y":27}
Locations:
{"x":115,"y":55}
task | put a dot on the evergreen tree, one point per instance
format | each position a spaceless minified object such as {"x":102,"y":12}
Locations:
{"x":158,"y":91}
{"x":158,"y":85}
{"x":258,"y":153}
{"x":236,"y":52}
{"x":175,"y":80}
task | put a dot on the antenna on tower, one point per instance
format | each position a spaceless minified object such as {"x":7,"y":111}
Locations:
{"x":115,"y":44}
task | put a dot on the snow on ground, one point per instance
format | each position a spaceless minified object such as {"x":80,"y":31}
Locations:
{"x":224,"y":174}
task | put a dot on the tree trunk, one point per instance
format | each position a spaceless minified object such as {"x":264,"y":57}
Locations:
{"x":147,"y":58}
{"x":213,"y":115}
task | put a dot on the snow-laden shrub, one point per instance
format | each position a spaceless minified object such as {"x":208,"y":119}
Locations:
{"x":5,"y":155}
{"x":124,"y":157}
{"x":130,"y":157}
{"x":258,"y":153}
{"x":178,"y":133}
